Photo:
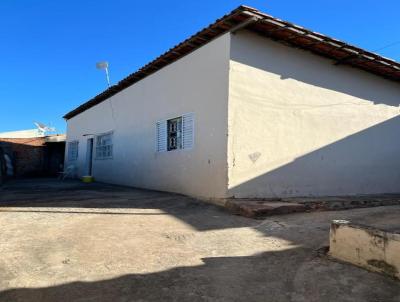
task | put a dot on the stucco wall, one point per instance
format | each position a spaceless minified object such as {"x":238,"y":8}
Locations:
{"x":196,"y":83}
{"x":300,"y":126}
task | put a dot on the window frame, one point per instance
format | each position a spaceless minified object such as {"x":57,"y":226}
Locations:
{"x":178,"y":121}
{"x":97,"y":146}
{"x":70,"y":150}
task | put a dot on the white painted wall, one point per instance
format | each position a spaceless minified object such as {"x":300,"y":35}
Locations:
{"x":296,"y":125}
{"x":300,"y":126}
{"x":196,"y":83}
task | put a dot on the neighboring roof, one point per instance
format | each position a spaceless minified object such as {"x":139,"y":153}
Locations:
{"x":30,"y":133}
{"x":33,"y":133}
{"x":268,"y":26}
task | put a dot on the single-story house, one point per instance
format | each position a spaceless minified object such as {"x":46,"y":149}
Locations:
{"x":250,"y":107}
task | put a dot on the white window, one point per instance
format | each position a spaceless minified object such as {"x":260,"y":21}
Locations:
{"x":104,"y":146}
{"x":175,"y":134}
{"x":73,"y":148}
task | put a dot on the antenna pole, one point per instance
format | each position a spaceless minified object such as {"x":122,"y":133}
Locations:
{"x":108,"y":77}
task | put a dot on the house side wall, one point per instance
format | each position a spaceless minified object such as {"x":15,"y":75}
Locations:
{"x":197,"y":83}
{"x":301,"y":126}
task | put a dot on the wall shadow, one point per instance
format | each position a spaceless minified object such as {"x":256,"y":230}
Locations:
{"x":364,"y":162}
{"x":306,"y":67}
{"x":367,"y":161}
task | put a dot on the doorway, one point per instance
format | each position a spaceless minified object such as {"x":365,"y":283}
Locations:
{"x":89,"y":156}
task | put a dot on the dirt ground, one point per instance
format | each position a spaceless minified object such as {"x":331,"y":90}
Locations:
{"x":68,"y":241}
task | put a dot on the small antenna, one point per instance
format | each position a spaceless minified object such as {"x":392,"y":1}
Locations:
{"x":104,"y":65}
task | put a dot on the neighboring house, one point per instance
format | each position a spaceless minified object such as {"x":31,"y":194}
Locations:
{"x":251,"y":106}
{"x":31,"y":153}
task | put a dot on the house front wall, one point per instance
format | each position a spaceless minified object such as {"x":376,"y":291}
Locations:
{"x":298,"y":125}
{"x":197,"y":83}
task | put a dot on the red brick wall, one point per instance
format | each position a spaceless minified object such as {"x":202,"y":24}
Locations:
{"x":27,"y":154}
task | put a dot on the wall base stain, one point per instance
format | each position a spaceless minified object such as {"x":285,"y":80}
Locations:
{"x":384,"y":267}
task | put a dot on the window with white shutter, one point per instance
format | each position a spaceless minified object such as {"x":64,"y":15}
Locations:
{"x":175,"y":134}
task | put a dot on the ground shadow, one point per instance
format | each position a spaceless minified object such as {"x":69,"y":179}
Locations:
{"x":43,"y":195}
{"x":270,"y":276}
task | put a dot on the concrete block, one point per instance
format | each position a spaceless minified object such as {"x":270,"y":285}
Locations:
{"x":368,"y":247}
{"x":257,"y":208}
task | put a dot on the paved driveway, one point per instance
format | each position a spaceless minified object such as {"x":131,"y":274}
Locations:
{"x":66,"y":241}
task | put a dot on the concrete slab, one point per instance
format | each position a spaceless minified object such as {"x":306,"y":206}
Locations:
{"x":256,"y":208}
{"x":68,"y":241}
{"x":259,"y":209}
{"x":330,"y":203}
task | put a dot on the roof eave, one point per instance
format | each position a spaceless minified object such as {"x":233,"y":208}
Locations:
{"x":268,"y":26}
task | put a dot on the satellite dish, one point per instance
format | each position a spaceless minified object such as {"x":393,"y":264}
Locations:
{"x":42,"y":128}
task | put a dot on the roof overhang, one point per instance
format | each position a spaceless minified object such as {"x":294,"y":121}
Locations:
{"x":57,"y":138}
{"x":267,"y":26}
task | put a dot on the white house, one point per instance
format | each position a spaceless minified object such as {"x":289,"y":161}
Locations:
{"x":251,"y":106}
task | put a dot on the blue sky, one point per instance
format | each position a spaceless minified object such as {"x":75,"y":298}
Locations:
{"x":49,"y":48}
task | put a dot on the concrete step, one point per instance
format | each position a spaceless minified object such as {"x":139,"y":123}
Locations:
{"x":346,"y":202}
{"x":259,"y":209}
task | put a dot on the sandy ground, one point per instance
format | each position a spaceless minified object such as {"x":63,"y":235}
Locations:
{"x":67,"y":241}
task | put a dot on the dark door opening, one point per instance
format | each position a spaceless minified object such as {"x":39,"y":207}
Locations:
{"x":89,"y":156}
